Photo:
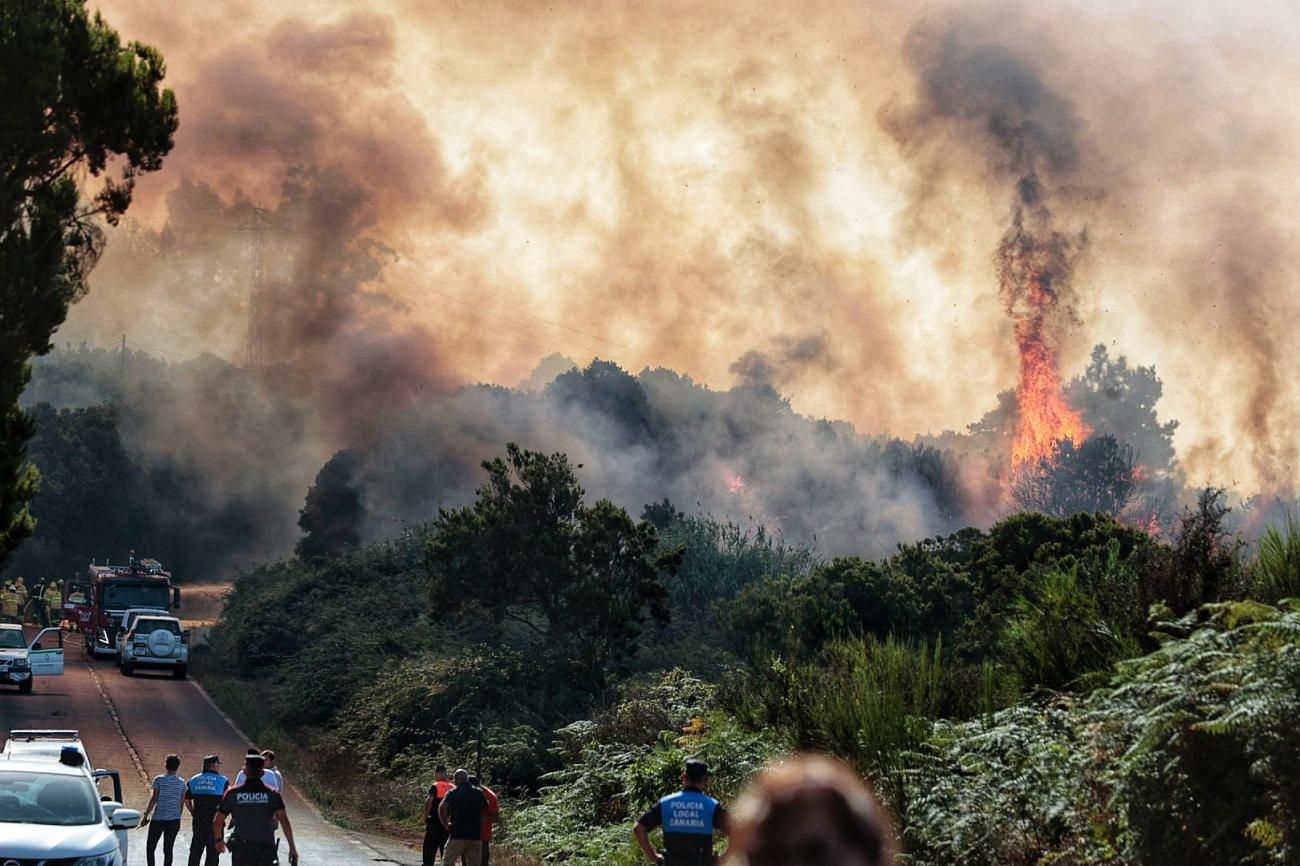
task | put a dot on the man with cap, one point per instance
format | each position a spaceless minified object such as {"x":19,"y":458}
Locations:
{"x":203,"y":793}
{"x":254,"y":810}
{"x":689,"y":819}
{"x":461,"y":812}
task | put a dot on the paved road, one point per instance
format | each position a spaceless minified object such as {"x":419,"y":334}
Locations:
{"x":132,"y":723}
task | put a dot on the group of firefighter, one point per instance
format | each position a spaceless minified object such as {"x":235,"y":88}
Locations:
{"x":43,"y":605}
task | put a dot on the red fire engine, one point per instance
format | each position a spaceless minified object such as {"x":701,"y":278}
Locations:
{"x":96,"y":602}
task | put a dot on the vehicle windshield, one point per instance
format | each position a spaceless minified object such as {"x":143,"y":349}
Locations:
{"x":121,"y":596}
{"x":144,"y":626}
{"x":45,"y":798}
{"x":12,"y":639}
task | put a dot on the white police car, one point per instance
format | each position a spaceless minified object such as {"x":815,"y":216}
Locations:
{"x":51,"y":744}
{"x":50,"y":812}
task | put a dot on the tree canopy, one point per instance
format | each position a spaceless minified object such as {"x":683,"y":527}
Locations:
{"x":74,"y":103}
{"x":580,"y":578}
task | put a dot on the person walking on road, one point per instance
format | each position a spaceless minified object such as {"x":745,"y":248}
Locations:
{"x":271,"y":777}
{"x":435,"y":835}
{"x":20,"y":588}
{"x":165,"y":807}
{"x":254,"y":810}
{"x":203,"y":793}
{"x":461,"y":812}
{"x":689,"y":819}
{"x":490,"y":816}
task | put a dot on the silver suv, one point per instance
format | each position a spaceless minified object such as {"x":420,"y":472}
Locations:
{"x":158,"y":642}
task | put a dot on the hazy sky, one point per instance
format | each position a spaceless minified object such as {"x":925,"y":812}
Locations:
{"x":689,"y":184}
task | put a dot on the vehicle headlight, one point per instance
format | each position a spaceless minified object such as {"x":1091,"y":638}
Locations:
{"x":21,"y":664}
{"x":107,"y":859}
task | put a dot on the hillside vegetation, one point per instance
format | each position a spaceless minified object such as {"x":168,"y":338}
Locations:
{"x":1052,"y":690}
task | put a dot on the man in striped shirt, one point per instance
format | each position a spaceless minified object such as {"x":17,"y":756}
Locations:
{"x":165,"y":809}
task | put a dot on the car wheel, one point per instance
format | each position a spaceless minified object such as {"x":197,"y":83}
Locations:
{"x":180,"y":672}
{"x":25,"y":687}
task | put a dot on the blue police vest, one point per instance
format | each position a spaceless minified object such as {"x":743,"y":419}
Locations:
{"x":207,"y":785}
{"x":688,"y":812}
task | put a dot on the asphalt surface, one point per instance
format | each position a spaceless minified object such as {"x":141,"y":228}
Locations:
{"x":131,"y":724}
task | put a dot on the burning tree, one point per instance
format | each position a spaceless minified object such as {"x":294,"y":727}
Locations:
{"x":1033,"y":269}
{"x":1096,"y":475}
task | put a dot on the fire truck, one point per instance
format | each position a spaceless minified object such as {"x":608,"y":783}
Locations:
{"x":96,"y":603}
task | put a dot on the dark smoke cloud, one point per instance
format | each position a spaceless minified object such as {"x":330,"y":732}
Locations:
{"x":788,"y":360}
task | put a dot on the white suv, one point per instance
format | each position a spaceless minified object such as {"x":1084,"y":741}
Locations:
{"x":20,"y":660}
{"x":156,"y":641}
{"x":50,"y":812}
{"x":128,"y":620}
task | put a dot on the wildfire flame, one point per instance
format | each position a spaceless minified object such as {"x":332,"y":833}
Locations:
{"x":1045,"y":417}
{"x":1034,"y":270}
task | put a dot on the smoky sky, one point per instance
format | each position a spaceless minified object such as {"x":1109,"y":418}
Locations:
{"x":462,"y":189}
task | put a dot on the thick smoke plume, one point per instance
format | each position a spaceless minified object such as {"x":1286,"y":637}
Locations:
{"x":979,"y":95}
{"x":803,"y":198}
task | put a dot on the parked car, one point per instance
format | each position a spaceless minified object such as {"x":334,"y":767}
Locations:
{"x":20,"y":660}
{"x":42,"y":744}
{"x":50,"y":812}
{"x":50,"y":744}
{"x":156,"y":641}
{"x":128,"y":620}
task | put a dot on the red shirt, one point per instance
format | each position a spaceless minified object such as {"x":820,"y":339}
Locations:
{"x":490,"y":813}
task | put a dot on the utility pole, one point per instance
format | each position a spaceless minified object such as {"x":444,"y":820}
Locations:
{"x":123,"y":357}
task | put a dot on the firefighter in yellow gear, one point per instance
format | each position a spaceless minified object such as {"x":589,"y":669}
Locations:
{"x":9,"y":603}
{"x":21,"y":589}
{"x":53,"y":603}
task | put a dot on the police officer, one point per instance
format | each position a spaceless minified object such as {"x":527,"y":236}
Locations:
{"x":203,"y":793}
{"x":254,"y":809}
{"x":689,"y":819}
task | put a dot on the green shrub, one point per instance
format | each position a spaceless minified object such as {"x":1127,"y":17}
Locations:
{"x":1191,"y":755}
{"x":1276,"y":570}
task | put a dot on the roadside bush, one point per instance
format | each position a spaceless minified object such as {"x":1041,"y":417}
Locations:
{"x":428,"y":709}
{"x":585,"y":810}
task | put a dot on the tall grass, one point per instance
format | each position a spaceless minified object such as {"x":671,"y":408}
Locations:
{"x":1277,"y":562}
